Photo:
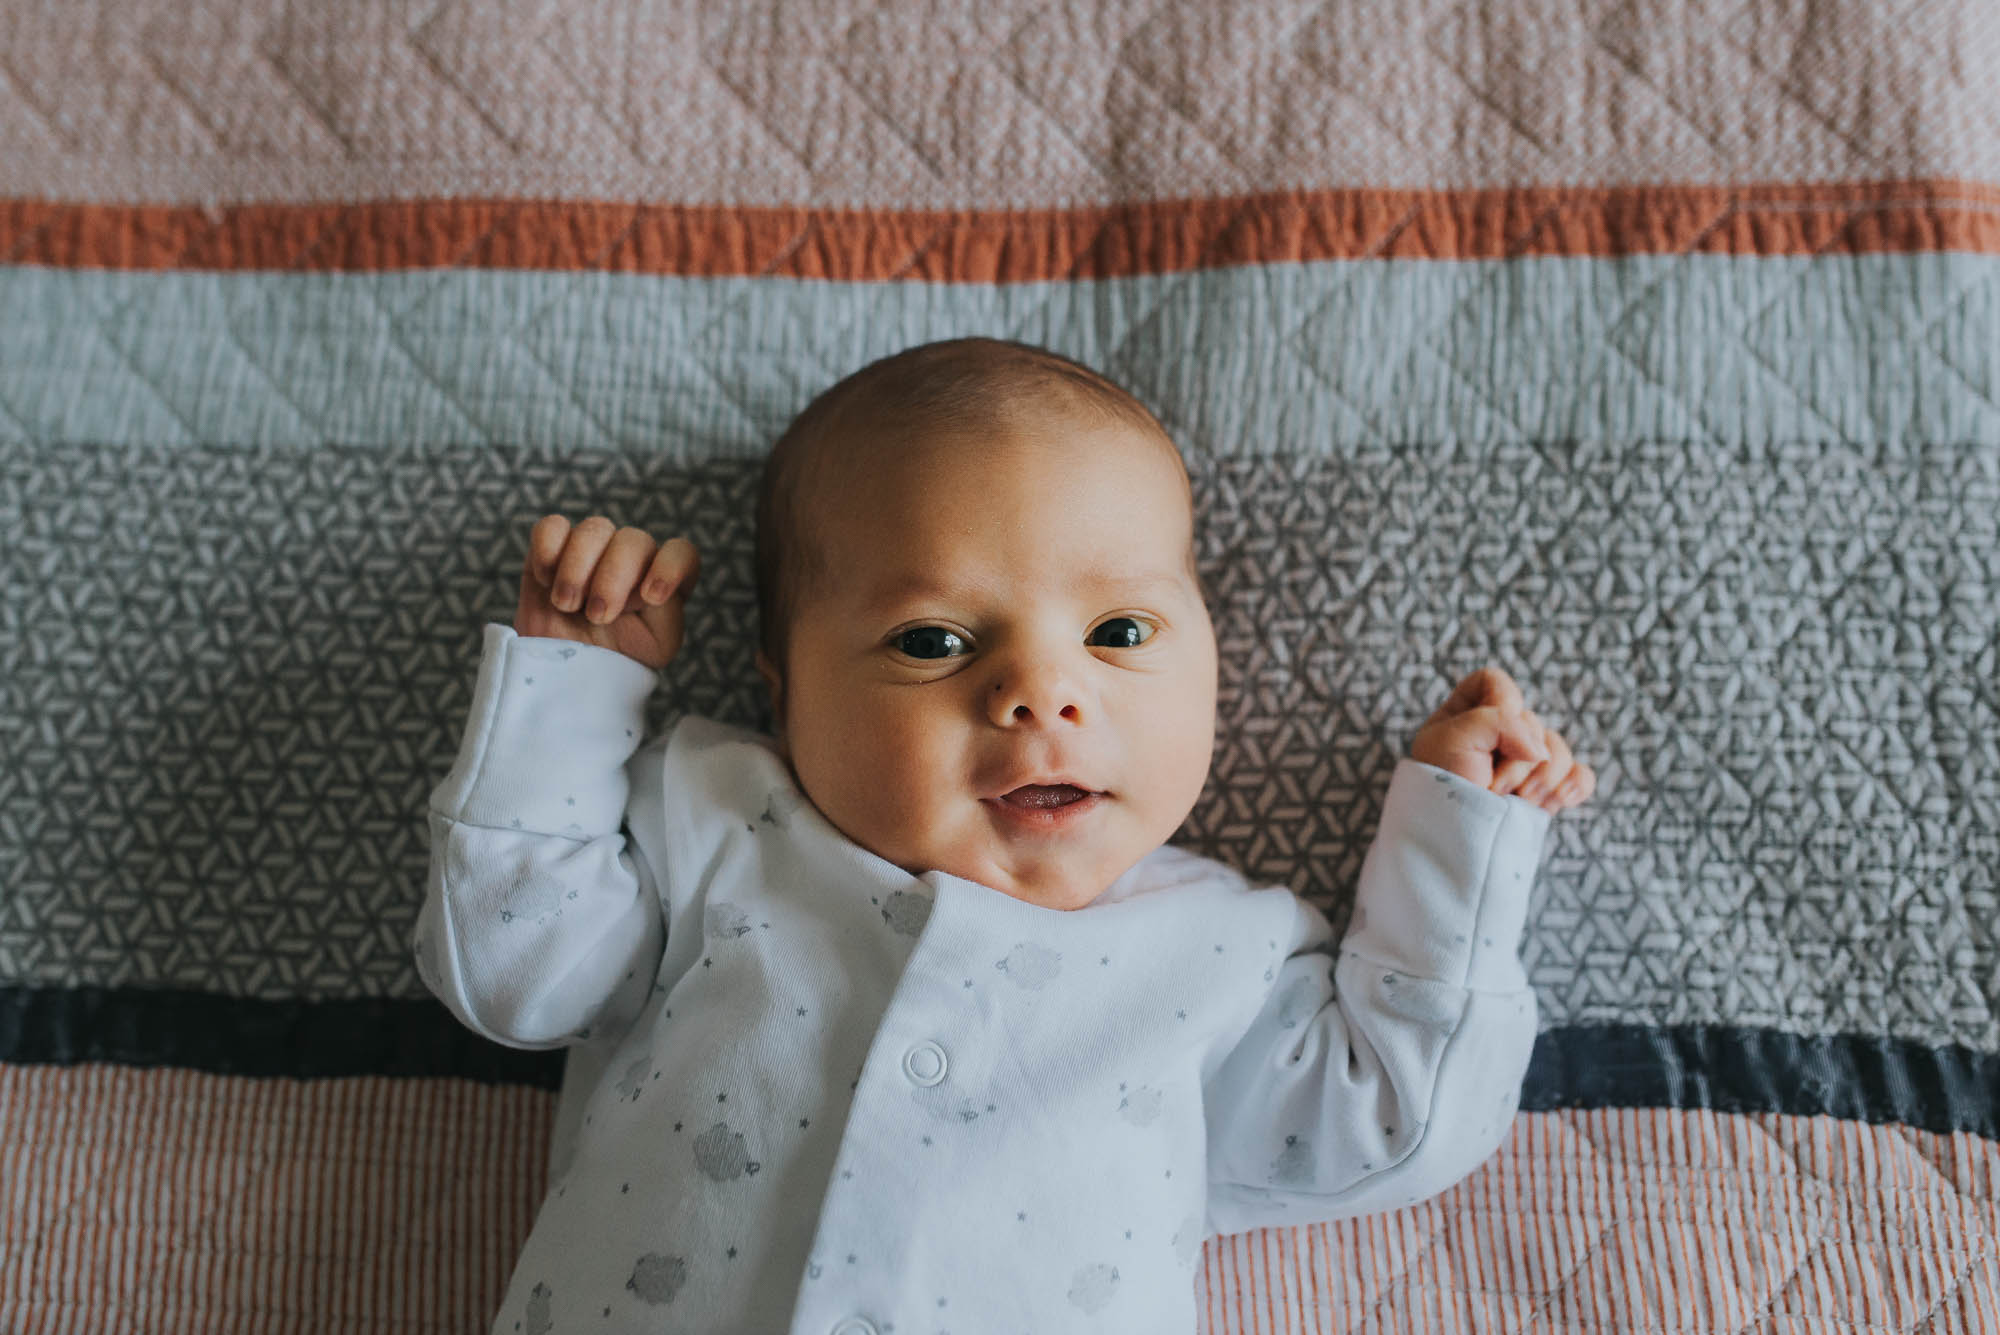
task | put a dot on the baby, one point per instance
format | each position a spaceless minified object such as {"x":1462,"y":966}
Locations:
{"x":909,"y":1019}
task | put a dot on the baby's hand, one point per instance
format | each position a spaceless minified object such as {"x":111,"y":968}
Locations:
{"x":599,"y":561}
{"x":1485,"y":733}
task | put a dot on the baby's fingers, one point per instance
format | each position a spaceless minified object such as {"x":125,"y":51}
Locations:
{"x":675,"y":568}
{"x":1509,"y":774}
{"x":578,"y":561}
{"x":1577,"y":788}
{"x":1550,"y":776}
{"x":1489,"y":686}
{"x":545,"y":544}
{"x":619,"y":569}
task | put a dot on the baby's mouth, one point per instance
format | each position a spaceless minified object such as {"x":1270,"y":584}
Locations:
{"x":1041,"y":798}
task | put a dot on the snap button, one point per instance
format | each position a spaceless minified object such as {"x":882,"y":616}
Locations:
{"x":855,"y":1325}
{"x":924,"y":1063}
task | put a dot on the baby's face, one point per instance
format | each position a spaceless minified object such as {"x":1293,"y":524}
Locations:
{"x":1006,"y":609}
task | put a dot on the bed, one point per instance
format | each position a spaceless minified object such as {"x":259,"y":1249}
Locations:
{"x":1649,"y":349}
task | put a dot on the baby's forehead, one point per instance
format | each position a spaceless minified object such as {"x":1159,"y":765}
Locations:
{"x":880,"y":507}
{"x":1055,"y":432}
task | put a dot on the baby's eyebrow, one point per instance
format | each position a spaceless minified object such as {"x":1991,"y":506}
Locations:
{"x":1096,"y":579}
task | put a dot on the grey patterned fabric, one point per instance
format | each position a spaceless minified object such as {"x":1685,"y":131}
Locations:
{"x":228,"y":678}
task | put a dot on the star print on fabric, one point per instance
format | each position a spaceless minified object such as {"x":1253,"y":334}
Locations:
{"x":802,"y":1010}
{"x":804,"y":1122}
{"x":732,"y":1253}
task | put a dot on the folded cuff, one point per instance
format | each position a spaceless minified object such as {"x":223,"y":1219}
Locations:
{"x":551,"y":726}
{"x":1444,"y":888}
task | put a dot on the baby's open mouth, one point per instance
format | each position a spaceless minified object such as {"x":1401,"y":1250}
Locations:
{"x":1033,"y":795}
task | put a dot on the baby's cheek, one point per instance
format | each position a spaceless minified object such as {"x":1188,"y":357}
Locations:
{"x":912,"y":791}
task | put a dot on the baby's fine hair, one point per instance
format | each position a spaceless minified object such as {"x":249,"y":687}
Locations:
{"x":957,"y":384}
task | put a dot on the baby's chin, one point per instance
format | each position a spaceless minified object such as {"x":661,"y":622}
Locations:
{"x":1051,"y":882}
{"x":1065,"y":896}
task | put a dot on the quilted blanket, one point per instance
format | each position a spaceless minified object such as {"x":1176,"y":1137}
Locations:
{"x":1649,"y":349}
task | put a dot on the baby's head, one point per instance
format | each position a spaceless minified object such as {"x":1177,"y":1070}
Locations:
{"x":976,"y":571}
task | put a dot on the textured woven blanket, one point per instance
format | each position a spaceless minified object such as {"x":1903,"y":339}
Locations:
{"x":1649,"y":349}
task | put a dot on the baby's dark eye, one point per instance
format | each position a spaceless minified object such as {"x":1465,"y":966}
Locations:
{"x":1125,"y":633}
{"x":928,"y":642}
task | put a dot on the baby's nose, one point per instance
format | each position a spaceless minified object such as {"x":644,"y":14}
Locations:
{"x":1026,"y":696}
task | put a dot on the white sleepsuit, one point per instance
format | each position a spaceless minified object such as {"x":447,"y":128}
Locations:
{"x":837,"y":1098}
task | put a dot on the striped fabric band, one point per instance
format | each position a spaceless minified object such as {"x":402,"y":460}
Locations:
{"x":1310,"y":359}
{"x":1015,"y":246}
{"x":254,"y":1218}
{"x":1862,"y":1077}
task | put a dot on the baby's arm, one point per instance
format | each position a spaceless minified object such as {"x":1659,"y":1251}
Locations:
{"x":1382,"y":1076}
{"x":541,"y":921}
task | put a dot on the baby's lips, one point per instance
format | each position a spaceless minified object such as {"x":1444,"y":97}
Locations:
{"x":1014,"y":784}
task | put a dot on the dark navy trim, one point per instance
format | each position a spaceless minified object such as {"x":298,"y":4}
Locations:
{"x":1860,"y":1078}
{"x":1857,"y":1077}
{"x":303,"y":1040}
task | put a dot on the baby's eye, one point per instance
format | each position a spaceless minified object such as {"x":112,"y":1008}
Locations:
{"x":1126,"y":632}
{"x":928,"y":642}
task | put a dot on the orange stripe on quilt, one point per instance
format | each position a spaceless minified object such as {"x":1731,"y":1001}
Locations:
{"x":164,"y":1199}
{"x":1010,"y":246}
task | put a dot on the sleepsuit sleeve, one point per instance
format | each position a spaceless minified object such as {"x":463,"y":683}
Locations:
{"x":541,"y":920}
{"x":1381,"y":1074}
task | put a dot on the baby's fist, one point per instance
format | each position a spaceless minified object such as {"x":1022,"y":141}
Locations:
{"x":612,"y":587}
{"x":1485,"y":734}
